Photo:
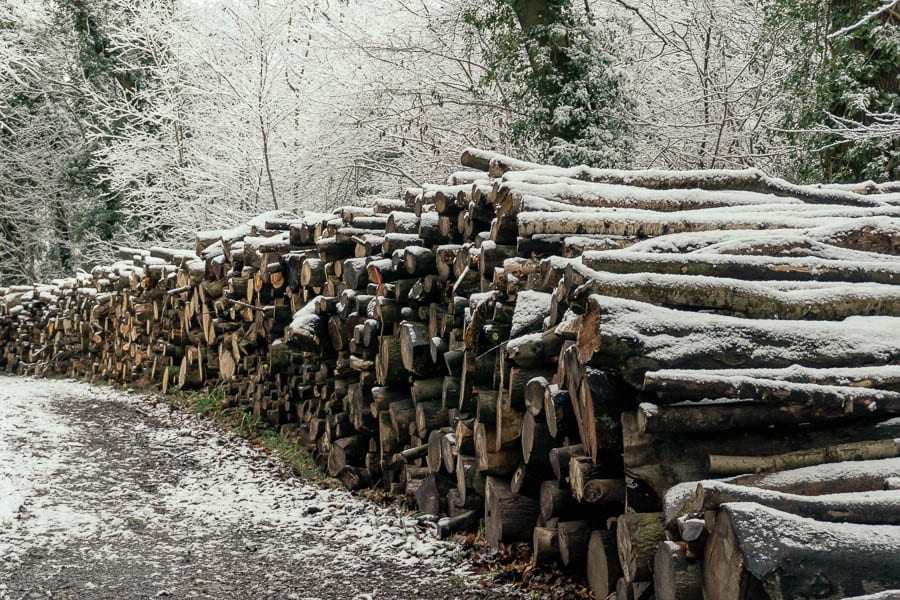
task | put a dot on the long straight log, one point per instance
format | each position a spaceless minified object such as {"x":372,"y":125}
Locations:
{"x":553,"y":194}
{"x":781,"y":299}
{"x":771,"y":405}
{"x":645,"y":223}
{"x":750,"y":180}
{"x":753,"y":268}
{"x":693,"y":383}
{"x":842,"y":477}
{"x":875,"y":508}
{"x":636,"y":337}
{"x":861,"y":236}
{"x":728,"y":465}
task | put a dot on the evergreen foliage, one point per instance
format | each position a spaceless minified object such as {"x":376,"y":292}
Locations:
{"x":567,"y":95}
{"x":836,"y":80}
{"x":82,"y":24}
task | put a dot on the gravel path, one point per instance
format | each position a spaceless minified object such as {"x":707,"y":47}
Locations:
{"x":110,"y":495}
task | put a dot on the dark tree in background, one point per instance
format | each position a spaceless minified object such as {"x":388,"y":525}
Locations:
{"x":84,"y":24}
{"x":845,"y":77}
{"x":558,"y":70}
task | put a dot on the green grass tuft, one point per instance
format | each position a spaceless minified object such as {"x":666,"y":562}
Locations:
{"x":209,"y":403}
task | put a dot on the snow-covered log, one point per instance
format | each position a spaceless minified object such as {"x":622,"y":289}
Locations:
{"x":755,"y":551}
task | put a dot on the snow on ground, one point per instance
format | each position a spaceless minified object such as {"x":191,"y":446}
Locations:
{"x":109,"y":495}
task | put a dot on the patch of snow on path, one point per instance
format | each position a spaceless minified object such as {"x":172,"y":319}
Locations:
{"x":96,"y":483}
{"x":27,"y":469}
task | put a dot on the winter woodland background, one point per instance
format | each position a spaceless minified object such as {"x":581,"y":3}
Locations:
{"x":128,"y":122}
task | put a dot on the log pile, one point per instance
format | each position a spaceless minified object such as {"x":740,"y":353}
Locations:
{"x":679,"y":383}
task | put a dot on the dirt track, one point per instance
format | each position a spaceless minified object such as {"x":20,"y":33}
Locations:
{"x":106,"y":495}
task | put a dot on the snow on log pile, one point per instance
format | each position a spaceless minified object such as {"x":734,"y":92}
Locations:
{"x":683,"y":383}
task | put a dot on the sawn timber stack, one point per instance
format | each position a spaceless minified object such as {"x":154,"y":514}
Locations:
{"x":684,"y":384}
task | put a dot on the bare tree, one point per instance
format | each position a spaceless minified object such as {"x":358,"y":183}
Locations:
{"x":707,"y":76}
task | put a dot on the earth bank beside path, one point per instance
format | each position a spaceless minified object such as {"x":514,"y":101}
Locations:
{"x":105,"y":494}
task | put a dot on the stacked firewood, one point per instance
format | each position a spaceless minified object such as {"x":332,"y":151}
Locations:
{"x":680,"y":383}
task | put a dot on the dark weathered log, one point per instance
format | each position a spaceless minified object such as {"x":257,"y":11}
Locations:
{"x":555,"y":500}
{"x":389,"y":362}
{"x":809,"y":398}
{"x":447,"y":526}
{"x":424,"y":390}
{"x":507,"y":516}
{"x":544,"y":546}
{"x":527,"y":479}
{"x":820,"y":406}
{"x":508,"y":431}
{"x":597,"y":405}
{"x":536,"y":441}
{"x":534,"y":350}
{"x":885,"y":595}
{"x":663,"y":459}
{"x":430,"y":416}
{"x":346,"y":451}
{"x":388,"y":437}
{"x":354,"y":273}
{"x":486,"y":407}
{"x":517,"y":383}
{"x":469,"y":480}
{"x":591,"y":485}
{"x":755,"y":551}
{"x":558,"y":412}
{"x":573,"y":543}
{"x":420,"y":261}
{"x":634,"y":590}
{"x":428,"y":495}
{"x":535,"y":390}
{"x":414,"y":454}
{"x":402,"y":413}
{"x":560,"y":457}
{"x":434,"y":459}
{"x":354,"y":478}
{"x":450,"y":392}
{"x":449,"y":451}
{"x":414,"y":347}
